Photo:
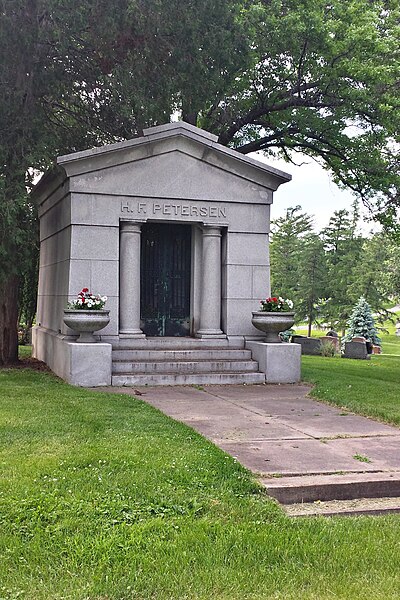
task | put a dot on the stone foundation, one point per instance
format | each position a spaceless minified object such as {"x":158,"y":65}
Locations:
{"x":84,"y":365}
{"x":281,"y":363}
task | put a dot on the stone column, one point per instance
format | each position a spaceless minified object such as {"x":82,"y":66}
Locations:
{"x":129,"y":280}
{"x":210,"y":303}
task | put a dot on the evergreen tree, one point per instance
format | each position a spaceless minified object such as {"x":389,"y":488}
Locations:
{"x":390,"y":271}
{"x":75,"y":75}
{"x":343,"y":255}
{"x":312,"y":279}
{"x":361,"y":323}
{"x":286,"y":248}
{"x":371,"y":278}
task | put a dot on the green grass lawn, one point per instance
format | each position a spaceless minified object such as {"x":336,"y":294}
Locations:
{"x":389,"y":326}
{"x":370,"y":387}
{"x":104,"y":498}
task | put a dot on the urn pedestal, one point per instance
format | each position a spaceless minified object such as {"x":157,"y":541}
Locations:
{"x":86,"y":322}
{"x":272,"y":323}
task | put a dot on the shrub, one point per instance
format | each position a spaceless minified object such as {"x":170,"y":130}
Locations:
{"x":327,"y":348}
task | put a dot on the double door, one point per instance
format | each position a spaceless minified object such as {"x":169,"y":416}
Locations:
{"x":165,"y":279}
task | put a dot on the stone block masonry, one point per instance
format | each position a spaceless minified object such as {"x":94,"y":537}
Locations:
{"x":110,"y":216}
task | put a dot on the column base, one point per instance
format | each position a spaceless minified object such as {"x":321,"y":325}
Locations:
{"x":210,"y":333}
{"x":131,"y":333}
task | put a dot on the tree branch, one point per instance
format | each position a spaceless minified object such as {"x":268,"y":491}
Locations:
{"x":291,"y":100}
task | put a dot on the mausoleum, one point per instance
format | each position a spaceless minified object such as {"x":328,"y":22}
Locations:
{"x":173,"y":228}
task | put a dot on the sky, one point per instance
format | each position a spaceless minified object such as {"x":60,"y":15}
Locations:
{"x":311,"y":188}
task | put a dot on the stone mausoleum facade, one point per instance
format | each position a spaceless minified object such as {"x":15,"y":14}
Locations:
{"x":172,"y":227}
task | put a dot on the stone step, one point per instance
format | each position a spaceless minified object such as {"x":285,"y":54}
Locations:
{"x":349,"y":508}
{"x":198,"y":354}
{"x":187,"y":379}
{"x":184,"y":366}
{"x":171,"y":343}
{"x":348,"y":486}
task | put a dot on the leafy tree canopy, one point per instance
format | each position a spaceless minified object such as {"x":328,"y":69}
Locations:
{"x":324,"y":80}
{"x":274,"y":75}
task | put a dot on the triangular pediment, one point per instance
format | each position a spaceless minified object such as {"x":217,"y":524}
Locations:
{"x":171,"y":175}
{"x":175,"y":160}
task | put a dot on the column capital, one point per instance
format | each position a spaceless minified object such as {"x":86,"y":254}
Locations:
{"x":131,"y":226}
{"x":212,"y":230}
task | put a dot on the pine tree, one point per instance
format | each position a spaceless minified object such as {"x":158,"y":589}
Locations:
{"x":361,"y":323}
{"x":311,"y":280}
{"x":343,"y":248}
{"x":286,"y":252}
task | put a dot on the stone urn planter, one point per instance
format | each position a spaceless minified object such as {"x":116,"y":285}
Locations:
{"x":272,"y":323}
{"x":86,"y":322}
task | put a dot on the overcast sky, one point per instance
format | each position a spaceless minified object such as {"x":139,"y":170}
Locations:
{"x":312,"y":188}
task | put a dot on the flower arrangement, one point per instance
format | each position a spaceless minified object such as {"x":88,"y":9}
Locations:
{"x":88,"y":301}
{"x":276,"y":304}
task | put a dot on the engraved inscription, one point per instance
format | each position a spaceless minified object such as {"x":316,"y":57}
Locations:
{"x":176,"y":210}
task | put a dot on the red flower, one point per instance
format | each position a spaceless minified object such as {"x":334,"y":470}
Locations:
{"x":85,"y":290}
{"x":274,"y":299}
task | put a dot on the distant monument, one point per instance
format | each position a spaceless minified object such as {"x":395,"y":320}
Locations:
{"x":172,"y":227}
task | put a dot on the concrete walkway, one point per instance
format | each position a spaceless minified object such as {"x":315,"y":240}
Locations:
{"x":300,"y":449}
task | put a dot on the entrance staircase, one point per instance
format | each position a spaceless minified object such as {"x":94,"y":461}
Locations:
{"x":182,"y":361}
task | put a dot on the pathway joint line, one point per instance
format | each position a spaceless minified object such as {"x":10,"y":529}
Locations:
{"x":255,"y":425}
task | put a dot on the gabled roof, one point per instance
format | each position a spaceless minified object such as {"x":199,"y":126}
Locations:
{"x":179,"y":136}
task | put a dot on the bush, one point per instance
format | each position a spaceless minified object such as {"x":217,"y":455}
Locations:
{"x":327,"y":348}
{"x":285,"y":336}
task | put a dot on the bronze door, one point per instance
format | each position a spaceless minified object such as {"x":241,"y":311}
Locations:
{"x":165,"y":279}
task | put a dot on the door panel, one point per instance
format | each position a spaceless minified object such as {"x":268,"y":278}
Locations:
{"x":165,"y":279}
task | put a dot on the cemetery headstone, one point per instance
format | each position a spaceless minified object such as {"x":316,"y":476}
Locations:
{"x":356,"y":348}
{"x":309,"y":345}
{"x":334,"y":341}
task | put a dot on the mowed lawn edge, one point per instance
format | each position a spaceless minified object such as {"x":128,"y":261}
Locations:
{"x":103,"y":497}
{"x":366,"y":387}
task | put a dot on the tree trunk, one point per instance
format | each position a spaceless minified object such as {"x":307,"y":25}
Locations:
{"x":310,"y":320}
{"x":189,"y":115}
{"x":9,"y":320}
